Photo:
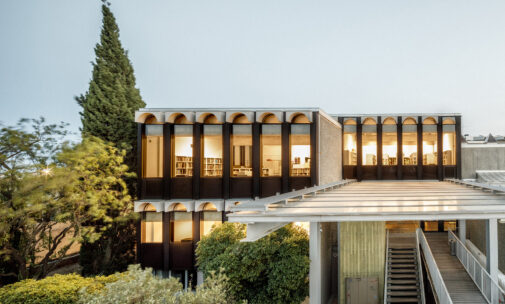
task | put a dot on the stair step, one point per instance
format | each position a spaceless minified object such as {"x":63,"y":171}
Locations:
{"x":402,"y":293}
{"x":401,"y":270}
{"x":399,"y":282}
{"x":396,"y":260}
{"x":401,"y":256}
{"x":403,"y":300}
{"x":403,"y":287}
{"x":398,"y":265}
{"x":402,"y":276}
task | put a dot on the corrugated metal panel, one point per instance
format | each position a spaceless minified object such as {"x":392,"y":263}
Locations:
{"x":362,"y":253}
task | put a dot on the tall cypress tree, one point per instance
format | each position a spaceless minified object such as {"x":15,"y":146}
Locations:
{"x":108,"y":107}
{"x":108,"y":110}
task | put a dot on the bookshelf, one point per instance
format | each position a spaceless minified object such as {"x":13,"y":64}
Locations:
{"x":183,"y":166}
{"x":241,"y":171}
{"x":212,"y":166}
{"x":300,"y":171}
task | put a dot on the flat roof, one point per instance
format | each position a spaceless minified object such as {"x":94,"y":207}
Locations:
{"x":378,"y":201}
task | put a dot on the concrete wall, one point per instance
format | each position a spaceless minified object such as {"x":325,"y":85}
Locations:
{"x":476,"y":232}
{"x":481,"y":157}
{"x":330,"y":151}
{"x":362,"y":253}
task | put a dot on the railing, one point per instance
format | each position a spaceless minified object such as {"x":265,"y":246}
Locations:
{"x":488,"y":287}
{"x":420,"y":270}
{"x":263,"y":203}
{"x":386,"y":268}
{"x":436,"y":277}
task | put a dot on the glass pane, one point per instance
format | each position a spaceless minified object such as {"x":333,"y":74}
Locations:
{"x":449,"y":147}
{"x":431,"y":226}
{"x":241,"y":153}
{"x":430,"y":145}
{"x":152,"y":152}
{"x":369,"y":141}
{"x":212,"y":164}
{"x":183,"y":151}
{"x":182,"y":226}
{"x":271,"y":147}
{"x":152,"y":228}
{"x":350,"y":147}
{"x":389,"y":145}
{"x":409,"y":141}
{"x":299,"y":163}
{"x":450,"y":225}
{"x":210,"y":220}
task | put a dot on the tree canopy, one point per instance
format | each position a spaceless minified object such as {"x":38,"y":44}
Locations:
{"x":273,"y":269}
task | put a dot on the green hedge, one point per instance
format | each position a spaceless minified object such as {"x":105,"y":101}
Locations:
{"x":57,"y":289}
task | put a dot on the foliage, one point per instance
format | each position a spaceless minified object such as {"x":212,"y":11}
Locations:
{"x":273,"y":269}
{"x":60,"y":289}
{"x":47,"y":213}
{"x":141,"y":286}
{"x":108,"y":109}
{"x":25,"y":149}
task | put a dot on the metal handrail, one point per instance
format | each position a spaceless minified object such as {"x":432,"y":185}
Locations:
{"x":420,"y":270}
{"x":386,"y":268}
{"x":487,"y":286}
{"x":438,"y":282}
{"x":263,"y":203}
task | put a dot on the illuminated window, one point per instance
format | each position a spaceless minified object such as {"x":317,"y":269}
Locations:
{"x":350,"y":148}
{"x":183,"y":151}
{"x":212,"y":162}
{"x":409,"y":142}
{"x":271,"y":148}
{"x":152,"y":152}
{"x":369,"y":142}
{"x":430,"y":142}
{"x":389,"y":143}
{"x":151,"y":225}
{"x":210,"y":219}
{"x":181,"y":224}
{"x":241,"y":150}
{"x":449,"y":142}
{"x":299,"y":164}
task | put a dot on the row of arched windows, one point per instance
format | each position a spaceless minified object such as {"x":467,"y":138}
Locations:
{"x":181,"y":223}
{"x":241,"y":142}
{"x":409,"y":141}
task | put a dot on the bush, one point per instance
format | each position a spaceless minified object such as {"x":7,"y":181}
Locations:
{"x":273,"y":269}
{"x":141,"y":286}
{"x":60,"y":289}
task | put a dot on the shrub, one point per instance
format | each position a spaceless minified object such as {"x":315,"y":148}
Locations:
{"x":273,"y":269}
{"x":60,"y":289}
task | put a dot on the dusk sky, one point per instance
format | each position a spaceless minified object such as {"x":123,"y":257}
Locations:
{"x":342,"y":56}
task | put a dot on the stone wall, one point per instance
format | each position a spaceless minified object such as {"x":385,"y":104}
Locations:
{"x":481,"y":157}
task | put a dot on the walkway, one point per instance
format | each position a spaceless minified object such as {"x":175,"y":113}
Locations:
{"x":459,"y":284}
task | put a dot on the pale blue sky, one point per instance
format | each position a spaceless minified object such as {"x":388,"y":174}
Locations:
{"x":343,"y":56}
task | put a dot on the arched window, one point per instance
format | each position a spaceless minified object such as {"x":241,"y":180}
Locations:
{"x":181,"y":224}
{"x":182,"y":160}
{"x":152,"y":149}
{"x":241,"y":119}
{"x":241,"y":150}
{"x":449,"y":142}
{"x":389,"y":142}
{"x":430,"y":142}
{"x":299,"y":141}
{"x":212,"y":162}
{"x":300,"y":119}
{"x":271,"y":146}
{"x":210,"y":218}
{"x":350,"y":147}
{"x":151,"y":225}
{"x":369,"y":142}
{"x":409,"y":142}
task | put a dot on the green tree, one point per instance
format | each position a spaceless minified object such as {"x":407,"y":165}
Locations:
{"x":108,"y":109}
{"x":273,"y":269}
{"x":46,"y":208}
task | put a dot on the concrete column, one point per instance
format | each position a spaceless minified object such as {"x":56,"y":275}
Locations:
{"x":492,"y":248}
{"x":462,"y":231}
{"x":315,"y":263}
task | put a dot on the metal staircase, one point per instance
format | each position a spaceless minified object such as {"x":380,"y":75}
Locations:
{"x":403,"y":284}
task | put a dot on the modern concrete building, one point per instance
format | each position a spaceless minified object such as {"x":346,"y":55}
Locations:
{"x":379,"y":192}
